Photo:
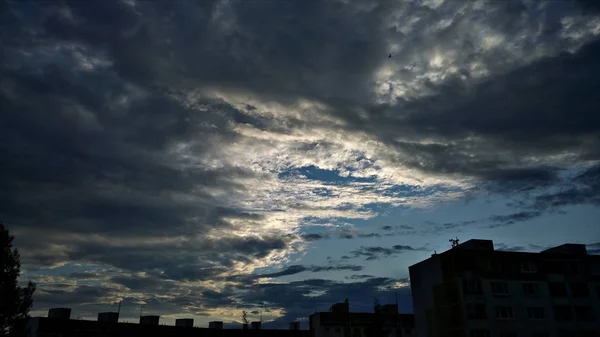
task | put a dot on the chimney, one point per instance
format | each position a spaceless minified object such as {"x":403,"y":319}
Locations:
{"x":62,"y":313}
{"x":149,"y":320}
{"x":255,"y":325}
{"x":108,"y":317}
{"x":295,"y":326}
{"x":185,"y":322}
{"x":215,"y":325}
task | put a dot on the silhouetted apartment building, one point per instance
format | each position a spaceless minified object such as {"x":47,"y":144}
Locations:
{"x":340,"y":322}
{"x":59,"y":325}
{"x":54,"y":327}
{"x":473,"y":290}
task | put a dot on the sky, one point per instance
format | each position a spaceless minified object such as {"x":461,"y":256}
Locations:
{"x":201,"y":158}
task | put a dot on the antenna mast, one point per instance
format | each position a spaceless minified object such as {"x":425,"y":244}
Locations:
{"x":454,"y":242}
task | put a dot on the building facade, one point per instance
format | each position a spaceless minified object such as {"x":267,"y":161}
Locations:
{"x":473,"y":290}
{"x":340,"y":322}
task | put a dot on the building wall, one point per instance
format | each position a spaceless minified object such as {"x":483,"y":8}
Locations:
{"x":423,"y":277}
{"x":451,"y":315}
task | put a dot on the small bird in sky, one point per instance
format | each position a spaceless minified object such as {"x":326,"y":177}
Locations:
{"x":390,"y":56}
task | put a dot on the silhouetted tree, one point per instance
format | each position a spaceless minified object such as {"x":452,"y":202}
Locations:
{"x":245,"y":319}
{"x":15,"y":301}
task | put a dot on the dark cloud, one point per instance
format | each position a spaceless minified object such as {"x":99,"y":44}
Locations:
{"x":110,"y":143}
{"x":387,"y":228}
{"x":313,"y":237}
{"x":294,"y":297}
{"x":509,"y":219}
{"x":291,"y":270}
{"x":373,"y":253}
{"x":524,"y":248}
{"x":359,"y":277}
{"x":369,"y":235}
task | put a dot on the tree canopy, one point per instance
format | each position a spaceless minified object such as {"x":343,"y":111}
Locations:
{"x":16,"y":301}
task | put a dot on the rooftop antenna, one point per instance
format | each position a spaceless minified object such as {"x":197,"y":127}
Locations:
{"x":454,"y":242}
{"x":119,"y":310}
{"x":141,"y":306}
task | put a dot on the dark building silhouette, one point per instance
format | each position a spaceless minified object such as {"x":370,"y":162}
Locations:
{"x":185,"y":322}
{"x":473,"y":290}
{"x":62,"y":313}
{"x":340,"y":322}
{"x":108,"y":317}
{"x":215,"y":325}
{"x":56,"y":327}
{"x":149,"y":320}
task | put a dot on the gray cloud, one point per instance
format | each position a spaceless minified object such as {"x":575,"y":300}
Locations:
{"x":509,"y":219}
{"x":293,"y":297}
{"x":295,"y":269}
{"x":113,"y":142}
{"x":373,"y":252}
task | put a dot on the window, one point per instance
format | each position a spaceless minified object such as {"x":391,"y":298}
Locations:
{"x":472,"y":286}
{"x":557,"y":289}
{"x":508,"y":334}
{"x":531,"y":289}
{"x":476,"y":311}
{"x":479,"y":333}
{"x":504,"y":313}
{"x":499,"y":288}
{"x":580,"y":289}
{"x":584,"y":313}
{"x":535,"y":313}
{"x":563,"y":313}
{"x":528,"y":267}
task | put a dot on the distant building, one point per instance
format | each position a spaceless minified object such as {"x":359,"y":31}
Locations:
{"x":473,"y":290}
{"x":294,"y":326}
{"x":255,"y":325}
{"x":62,"y":313}
{"x":108,"y":317}
{"x":215,"y":325}
{"x":340,"y":322}
{"x":185,"y":322}
{"x":57,"y":327}
{"x":149,"y":320}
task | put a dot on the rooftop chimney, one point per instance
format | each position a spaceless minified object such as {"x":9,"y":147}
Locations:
{"x":62,"y":313}
{"x":215,"y":325}
{"x":149,"y":320}
{"x":185,"y":322}
{"x":108,"y":317}
{"x":341,"y":307}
